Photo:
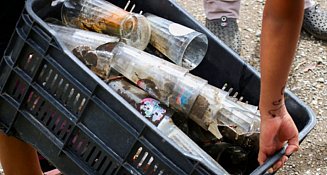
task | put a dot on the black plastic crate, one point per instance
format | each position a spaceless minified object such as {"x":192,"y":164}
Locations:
{"x":51,"y":100}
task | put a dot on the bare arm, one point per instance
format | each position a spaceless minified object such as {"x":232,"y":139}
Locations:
{"x":281,"y":26}
{"x":18,"y":157}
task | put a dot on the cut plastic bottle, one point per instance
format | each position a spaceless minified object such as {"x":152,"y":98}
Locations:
{"x":103,"y":17}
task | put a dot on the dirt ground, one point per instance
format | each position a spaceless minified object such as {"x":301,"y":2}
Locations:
{"x":307,"y":80}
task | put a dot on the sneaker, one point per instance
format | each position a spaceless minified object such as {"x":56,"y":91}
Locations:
{"x":227,"y":30}
{"x":315,"y":22}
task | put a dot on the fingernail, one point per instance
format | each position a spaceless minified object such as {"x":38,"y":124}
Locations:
{"x":271,"y":170}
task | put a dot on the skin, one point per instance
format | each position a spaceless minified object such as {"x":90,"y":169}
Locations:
{"x":17,"y":157}
{"x":281,"y":25}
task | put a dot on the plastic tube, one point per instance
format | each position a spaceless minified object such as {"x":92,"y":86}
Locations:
{"x":182,"y":45}
{"x":165,"y":81}
{"x":103,"y":17}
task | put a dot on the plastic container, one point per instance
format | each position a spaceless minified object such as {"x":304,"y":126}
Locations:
{"x":163,"y":80}
{"x":51,"y":100}
{"x":104,"y":17}
{"x":182,"y":45}
{"x":73,"y":37}
{"x":83,"y":43}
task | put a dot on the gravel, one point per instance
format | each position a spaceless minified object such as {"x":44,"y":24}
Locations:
{"x":307,"y":80}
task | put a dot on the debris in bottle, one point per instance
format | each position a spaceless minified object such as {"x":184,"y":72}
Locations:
{"x":88,"y":47}
{"x":97,"y":61}
{"x":104,"y":17}
{"x":73,"y":37}
{"x":140,"y":100}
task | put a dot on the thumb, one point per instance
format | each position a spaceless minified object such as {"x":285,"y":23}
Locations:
{"x":262,"y":157}
{"x":293,"y":146}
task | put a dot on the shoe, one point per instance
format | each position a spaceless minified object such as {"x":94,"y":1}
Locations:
{"x":227,"y":30}
{"x":315,"y":22}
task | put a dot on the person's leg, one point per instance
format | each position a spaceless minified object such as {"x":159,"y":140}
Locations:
{"x":221,"y":20}
{"x":308,"y":3}
{"x":315,"y":20}
{"x":221,"y":16}
{"x":215,"y":9}
{"x":18,"y":157}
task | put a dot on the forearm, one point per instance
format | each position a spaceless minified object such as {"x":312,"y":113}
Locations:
{"x":280,"y":33}
{"x":18,"y":157}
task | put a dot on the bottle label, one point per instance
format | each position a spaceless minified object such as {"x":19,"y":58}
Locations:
{"x":151,"y":109}
{"x":183,"y":98}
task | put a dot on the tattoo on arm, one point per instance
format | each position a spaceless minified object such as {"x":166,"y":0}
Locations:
{"x":278,"y":104}
{"x":275,"y":112}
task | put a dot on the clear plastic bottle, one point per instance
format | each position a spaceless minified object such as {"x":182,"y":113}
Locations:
{"x":83,"y":45}
{"x":103,"y":17}
{"x":182,"y":45}
{"x":214,"y":108}
{"x":73,"y":37}
{"x":165,"y":81}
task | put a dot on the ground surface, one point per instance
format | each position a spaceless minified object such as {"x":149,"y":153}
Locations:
{"x":307,"y":80}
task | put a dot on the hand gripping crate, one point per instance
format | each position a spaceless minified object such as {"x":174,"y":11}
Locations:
{"x":51,"y":100}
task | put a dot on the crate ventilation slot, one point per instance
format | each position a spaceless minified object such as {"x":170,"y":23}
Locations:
{"x":61,"y":89}
{"x":17,"y":88}
{"x":49,"y":116}
{"x":146,"y":163}
{"x":29,"y":62}
{"x":91,"y":154}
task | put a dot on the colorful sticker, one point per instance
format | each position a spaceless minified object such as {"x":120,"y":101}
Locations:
{"x":151,"y":109}
{"x":183,"y":98}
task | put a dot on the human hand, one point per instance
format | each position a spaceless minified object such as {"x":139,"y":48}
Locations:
{"x":275,"y":132}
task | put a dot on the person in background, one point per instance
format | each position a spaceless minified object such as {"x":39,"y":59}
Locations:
{"x":222,"y":16}
{"x":282,"y":21}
